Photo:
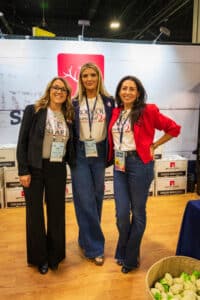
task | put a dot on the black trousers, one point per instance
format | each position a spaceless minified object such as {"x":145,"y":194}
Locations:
{"x":45,"y":236}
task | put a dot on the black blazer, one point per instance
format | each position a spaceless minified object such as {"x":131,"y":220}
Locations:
{"x":30,"y":141}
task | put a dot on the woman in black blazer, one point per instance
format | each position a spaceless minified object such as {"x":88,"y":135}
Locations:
{"x":44,"y":146}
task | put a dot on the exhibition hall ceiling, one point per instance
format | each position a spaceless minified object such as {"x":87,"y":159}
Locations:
{"x":141,"y":20}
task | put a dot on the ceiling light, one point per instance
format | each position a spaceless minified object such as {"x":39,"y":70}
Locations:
{"x":114,"y":25}
{"x":163,"y":30}
{"x":5,"y":22}
{"x":83,"y":23}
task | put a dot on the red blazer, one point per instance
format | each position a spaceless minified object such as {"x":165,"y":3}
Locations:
{"x":144,"y":130}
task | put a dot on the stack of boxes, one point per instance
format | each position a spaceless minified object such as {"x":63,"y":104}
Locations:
{"x":68,"y":190}
{"x":7,"y":156}
{"x":1,"y":188}
{"x":171,"y":175}
{"x":11,"y":192}
{"x":14,"y":194}
{"x":157,"y":156}
{"x":108,"y":185}
{"x":170,"y":178}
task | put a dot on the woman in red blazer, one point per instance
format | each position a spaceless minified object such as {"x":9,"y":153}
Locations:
{"x":131,"y":145}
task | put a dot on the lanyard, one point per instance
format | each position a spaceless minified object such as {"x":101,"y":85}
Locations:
{"x":91,"y":114}
{"x":121,"y":130}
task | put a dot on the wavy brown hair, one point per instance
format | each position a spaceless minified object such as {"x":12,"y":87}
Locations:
{"x":139,"y":104}
{"x":81,"y":91}
{"x":67,"y":108}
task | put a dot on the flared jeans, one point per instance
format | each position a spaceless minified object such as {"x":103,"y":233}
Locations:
{"x":88,"y":193}
{"x":131,"y":192}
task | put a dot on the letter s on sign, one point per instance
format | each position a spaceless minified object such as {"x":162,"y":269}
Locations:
{"x":16,"y":117}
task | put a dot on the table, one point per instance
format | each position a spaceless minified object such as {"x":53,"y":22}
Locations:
{"x":189,"y":237}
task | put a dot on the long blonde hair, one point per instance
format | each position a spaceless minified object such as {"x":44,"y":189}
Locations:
{"x":81,"y":91}
{"x":67,"y":107}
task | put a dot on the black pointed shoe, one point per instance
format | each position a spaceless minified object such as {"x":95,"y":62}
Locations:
{"x":125,"y":270}
{"x":43,"y":269}
{"x":53,"y":267}
{"x":119,"y":262}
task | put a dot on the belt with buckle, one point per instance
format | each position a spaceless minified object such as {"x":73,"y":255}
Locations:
{"x":131,"y":153}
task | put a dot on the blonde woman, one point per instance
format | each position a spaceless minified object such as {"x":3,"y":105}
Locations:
{"x":44,"y":145}
{"x":93,"y":108}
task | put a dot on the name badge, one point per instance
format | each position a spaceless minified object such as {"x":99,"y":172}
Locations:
{"x":90,"y":148}
{"x":57,"y":151}
{"x":119,"y":160}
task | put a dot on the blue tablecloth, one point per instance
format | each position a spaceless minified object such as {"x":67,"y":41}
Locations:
{"x":189,"y":237}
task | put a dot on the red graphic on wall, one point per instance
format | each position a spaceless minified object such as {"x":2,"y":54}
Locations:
{"x":69,"y":66}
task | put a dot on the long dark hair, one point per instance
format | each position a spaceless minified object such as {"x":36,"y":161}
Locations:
{"x":139,"y":103}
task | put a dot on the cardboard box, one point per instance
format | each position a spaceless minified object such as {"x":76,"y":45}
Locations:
{"x":109,"y":172}
{"x":151,"y":189}
{"x":108,"y":188}
{"x":68,"y":172}
{"x":1,"y":197}
{"x":171,"y":166}
{"x":8,"y":157}
{"x":68,"y":191}
{"x":170,"y":185}
{"x":1,"y":177}
{"x":11,"y":178}
{"x":158,"y":152}
{"x":14,"y":197}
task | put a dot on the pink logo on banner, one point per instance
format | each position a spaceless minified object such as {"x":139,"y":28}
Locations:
{"x":69,"y":66}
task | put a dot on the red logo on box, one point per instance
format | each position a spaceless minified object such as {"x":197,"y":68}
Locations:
{"x":69,"y":66}
{"x":171,"y":183}
{"x":172,"y":164}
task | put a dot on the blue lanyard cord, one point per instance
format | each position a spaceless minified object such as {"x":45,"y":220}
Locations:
{"x":121,"y":130}
{"x":91,"y":114}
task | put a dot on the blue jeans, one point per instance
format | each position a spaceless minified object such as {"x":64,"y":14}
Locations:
{"x":88,"y":193}
{"x":131,"y":192}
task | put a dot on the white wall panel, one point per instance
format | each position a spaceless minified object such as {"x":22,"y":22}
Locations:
{"x":170,"y":73}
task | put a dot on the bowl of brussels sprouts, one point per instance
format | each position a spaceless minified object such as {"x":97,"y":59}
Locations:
{"x":174,"y":278}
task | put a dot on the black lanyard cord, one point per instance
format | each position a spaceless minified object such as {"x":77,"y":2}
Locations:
{"x":121,"y":130}
{"x":91,"y":114}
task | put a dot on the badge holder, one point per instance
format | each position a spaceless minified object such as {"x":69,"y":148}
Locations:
{"x":90,"y":148}
{"x":119,"y":160}
{"x":57,"y":150}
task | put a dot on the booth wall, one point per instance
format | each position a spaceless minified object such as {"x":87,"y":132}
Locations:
{"x":170,"y":74}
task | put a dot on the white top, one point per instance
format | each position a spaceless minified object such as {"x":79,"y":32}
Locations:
{"x":123,"y":123}
{"x":98,"y":130}
{"x":56,"y":130}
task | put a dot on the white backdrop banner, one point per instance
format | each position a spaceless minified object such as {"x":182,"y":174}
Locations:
{"x":170,"y":74}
